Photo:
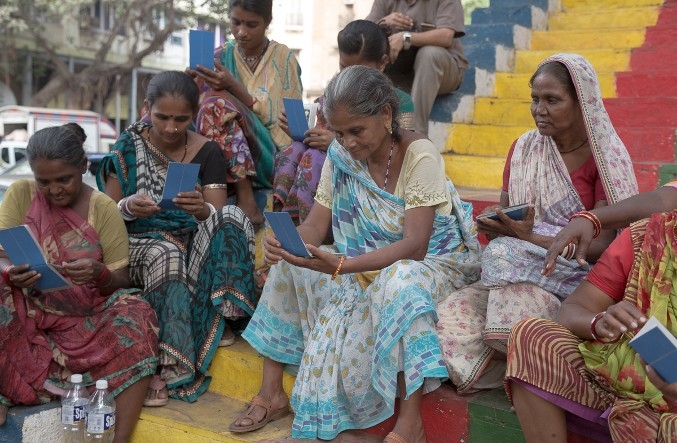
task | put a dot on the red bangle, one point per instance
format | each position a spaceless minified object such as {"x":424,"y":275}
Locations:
{"x":593,"y":323}
{"x":338,"y":268}
{"x":592,"y":218}
{"x":104,"y":275}
{"x":5,"y":274}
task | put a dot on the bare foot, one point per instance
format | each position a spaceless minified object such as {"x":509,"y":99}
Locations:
{"x":3,"y":414}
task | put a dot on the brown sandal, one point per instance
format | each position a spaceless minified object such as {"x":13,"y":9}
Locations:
{"x":394,"y":438}
{"x":156,"y":386}
{"x":3,"y":414}
{"x":268,"y":417}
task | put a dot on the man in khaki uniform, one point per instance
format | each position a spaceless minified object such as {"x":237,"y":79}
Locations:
{"x":427,"y":57}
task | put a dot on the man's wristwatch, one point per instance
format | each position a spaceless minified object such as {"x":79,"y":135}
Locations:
{"x":406,"y":36}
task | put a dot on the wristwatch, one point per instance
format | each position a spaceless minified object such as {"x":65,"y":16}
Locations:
{"x":406,"y":35}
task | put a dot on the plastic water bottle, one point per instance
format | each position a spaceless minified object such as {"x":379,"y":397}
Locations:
{"x":100,"y":426}
{"x":73,"y":405}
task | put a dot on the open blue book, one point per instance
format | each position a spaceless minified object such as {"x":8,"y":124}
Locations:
{"x":201,"y":44}
{"x":22,"y":248}
{"x":286,"y":233}
{"x":181,"y":177}
{"x":658,"y":347}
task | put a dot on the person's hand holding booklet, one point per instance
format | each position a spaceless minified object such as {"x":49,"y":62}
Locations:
{"x":22,"y":249}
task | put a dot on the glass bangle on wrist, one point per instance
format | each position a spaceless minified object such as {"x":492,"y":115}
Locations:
{"x":124,"y":210}
{"x":212,"y":211}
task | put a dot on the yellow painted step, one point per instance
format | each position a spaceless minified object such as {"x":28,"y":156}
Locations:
{"x":237,"y":372}
{"x":502,"y":112}
{"x":576,"y":40}
{"x":474,"y":171}
{"x":483,"y":140}
{"x":516,"y":86}
{"x":600,"y":19}
{"x":603,"y":60}
{"x":205,"y":421}
{"x":608,"y":4}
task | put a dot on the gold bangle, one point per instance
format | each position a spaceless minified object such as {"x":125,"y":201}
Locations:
{"x":338,"y":268}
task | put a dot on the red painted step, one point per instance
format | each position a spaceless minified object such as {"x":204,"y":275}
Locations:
{"x":647,"y":175}
{"x":642,"y":111}
{"x":656,"y":59}
{"x":659,"y":36}
{"x":649,"y":143}
{"x":646,"y":83}
{"x":668,"y":15}
{"x":444,"y":413}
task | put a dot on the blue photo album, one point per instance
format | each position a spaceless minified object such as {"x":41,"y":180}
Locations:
{"x":22,"y":248}
{"x":286,"y":233}
{"x":181,"y":177}
{"x":201,"y":44}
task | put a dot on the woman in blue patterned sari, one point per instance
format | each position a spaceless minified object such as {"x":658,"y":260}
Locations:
{"x":194,"y":263}
{"x":359,"y":317}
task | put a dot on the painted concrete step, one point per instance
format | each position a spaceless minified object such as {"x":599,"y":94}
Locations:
{"x":642,"y":111}
{"x":483,"y":140}
{"x":237,"y":372}
{"x":474,"y":171}
{"x":527,"y":15}
{"x":649,"y":143}
{"x":607,"y":4}
{"x":589,"y":18}
{"x":575,"y":39}
{"x":516,"y":86}
{"x":502,"y":112}
{"x":205,"y":421}
{"x":647,"y":83}
{"x":603,"y":60}
{"x":656,"y":59}
{"x":663,"y":36}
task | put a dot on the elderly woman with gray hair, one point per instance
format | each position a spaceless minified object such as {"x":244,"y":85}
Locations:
{"x":359,"y":317}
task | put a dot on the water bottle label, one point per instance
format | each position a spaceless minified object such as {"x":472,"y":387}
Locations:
{"x":67,"y":415}
{"x":72,"y":414}
{"x":100,"y":423}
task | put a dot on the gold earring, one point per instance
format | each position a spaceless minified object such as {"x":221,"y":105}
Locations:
{"x":389,"y":128}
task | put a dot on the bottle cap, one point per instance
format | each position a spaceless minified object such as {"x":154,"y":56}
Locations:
{"x":102,"y":384}
{"x":76,"y":378}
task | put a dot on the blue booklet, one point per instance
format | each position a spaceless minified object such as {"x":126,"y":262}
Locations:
{"x":286,"y":233}
{"x":181,"y":177}
{"x":201,"y":45}
{"x":658,"y":347}
{"x":22,"y":248}
{"x":297,"y":119}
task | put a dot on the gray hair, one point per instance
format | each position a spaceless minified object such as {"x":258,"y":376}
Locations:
{"x":362,"y":92}
{"x":58,"y":143}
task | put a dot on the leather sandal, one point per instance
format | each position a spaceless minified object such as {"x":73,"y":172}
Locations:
{"x":3,"y":414}
{"x":269,"y":416}
{"x":157,"y":385}
{"x":394,"y":438}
